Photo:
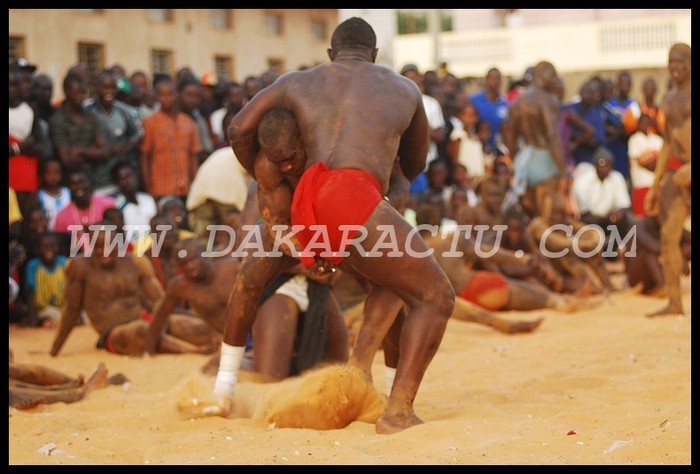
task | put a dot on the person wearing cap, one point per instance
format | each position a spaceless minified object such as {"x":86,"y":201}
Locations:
{"x":26,"y":136}
{"x":210,"y":98}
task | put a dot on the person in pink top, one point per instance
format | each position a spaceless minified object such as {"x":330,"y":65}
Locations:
{"x":84,"y":209}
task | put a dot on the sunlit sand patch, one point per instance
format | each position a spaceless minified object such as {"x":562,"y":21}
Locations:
{"x":195,"y":398}
{"x":326,"y":398}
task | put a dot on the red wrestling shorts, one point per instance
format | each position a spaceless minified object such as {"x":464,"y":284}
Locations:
{"x":333,"y":197}
{"x":488,"y":290}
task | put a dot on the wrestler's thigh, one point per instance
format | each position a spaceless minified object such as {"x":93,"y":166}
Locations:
{"x":415,"y":276}
{"x":669,"y":197}
{"x":191,"y":329}
{"x":129,"y":338}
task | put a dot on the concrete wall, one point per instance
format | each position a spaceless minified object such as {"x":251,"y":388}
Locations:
{"x":52,"y":36}
{"x":578,"y":50}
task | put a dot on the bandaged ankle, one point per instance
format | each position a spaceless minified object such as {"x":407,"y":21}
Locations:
{"x":229,"y":364}
{"x":389,"y":374}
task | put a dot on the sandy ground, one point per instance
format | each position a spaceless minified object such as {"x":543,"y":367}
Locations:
{"x":601,"y":386}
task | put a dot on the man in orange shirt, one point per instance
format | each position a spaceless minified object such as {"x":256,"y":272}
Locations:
{"x":169,"y":148}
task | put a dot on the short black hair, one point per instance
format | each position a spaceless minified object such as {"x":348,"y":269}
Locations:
{"x":51,"y":160}
{"x":272,"y":123}
{"x":70,"y":79}
{"x":353,"y":33}
{"x":117,"y":167}
{"x":186,"y":82}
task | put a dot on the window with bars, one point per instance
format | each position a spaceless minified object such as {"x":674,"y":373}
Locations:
{"x":223,"y":65}
{"x":275,"y":65}
{"x":161,"y":61}
{"x":319,"y":30}
{"x":274,"y":24}
{"x":162,"y":15}
{"x":92,"y":55}
{"x":16,"y":44}
{"x":417,"y":22}
{"x":221,"y":19}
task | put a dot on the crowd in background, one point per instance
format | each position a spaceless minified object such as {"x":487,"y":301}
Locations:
{"x":145,"y":150}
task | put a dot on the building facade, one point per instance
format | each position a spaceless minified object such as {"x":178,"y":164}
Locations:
{"x":234,"y":42}
{"x":579,"y":42}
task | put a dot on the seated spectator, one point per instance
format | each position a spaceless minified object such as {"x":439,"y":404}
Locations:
{"x":117,"y":294}
{"x":643,"y":149}
{"x":53,"y":196}
{"x":464,"y":146}
{"x":218,"y":194}
{"x":174,"y":207}
{"x":85,"y":208}
{"x":557,"y":243}
{"x":644,"y":266}
{"x":116,"y":217}
{"x":45,"y":279}
{"x":438,"y":193}
{"x":601,"y":193}
{"x":137,"y":207}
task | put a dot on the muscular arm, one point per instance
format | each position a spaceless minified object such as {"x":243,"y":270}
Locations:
{"x":399,"y":187}
{"x":274,"y":199}
{"x":148,"y":281}
{"x":274,"y":192}
{"x":162,"y":312}
{"x":74,"y":290}
{"x":413,"y":147}
{"x":550,"y":113}
{"x":512,"y":129}
{"x":243,"y":129}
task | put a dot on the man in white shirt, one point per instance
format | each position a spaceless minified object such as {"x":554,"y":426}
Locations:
{"x":436,"y":121}
{"x":601,"y":193}
{"x":643,"y":148}
{"x":138,"y":207}
{"x":218,"y":194}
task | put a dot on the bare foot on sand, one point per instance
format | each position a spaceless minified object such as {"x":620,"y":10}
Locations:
{"x":98,"y":379}
{"x":517,"y":327}
{"x":22,"y":403}
{"x":586,"y":289}
{"x":672,"y":309}
{"x":570,"y":303}
{"x":117,"y":379}
{"x":658,"y":292}
{"x":388,"y":424}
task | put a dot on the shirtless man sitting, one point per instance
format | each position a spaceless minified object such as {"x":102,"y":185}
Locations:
{"x":205,"y":284}
{"x":107,"y":287}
